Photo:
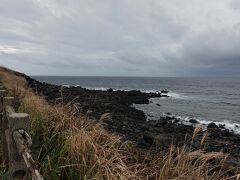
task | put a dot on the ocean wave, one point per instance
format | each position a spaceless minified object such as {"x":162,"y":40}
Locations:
{"x":235,"y":127}
{"x":173,"y":95}
{"x":148,"y":91}
{"x":97,"y":88}
{"x":177,"y":95}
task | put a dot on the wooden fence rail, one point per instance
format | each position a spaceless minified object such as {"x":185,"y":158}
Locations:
{"x":16,"y":141}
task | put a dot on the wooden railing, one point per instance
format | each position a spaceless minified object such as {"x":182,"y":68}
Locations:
{"x":16,"y":141}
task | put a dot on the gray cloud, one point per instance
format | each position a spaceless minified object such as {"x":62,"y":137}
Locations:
{"x":235,"y":5}
{"x":214,"y":51}
{"x":130,"y":38}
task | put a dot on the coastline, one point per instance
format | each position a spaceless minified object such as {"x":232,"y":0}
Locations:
{"x":131,"y":123}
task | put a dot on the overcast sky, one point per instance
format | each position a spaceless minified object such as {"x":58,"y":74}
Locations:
{"x":121,"y":37}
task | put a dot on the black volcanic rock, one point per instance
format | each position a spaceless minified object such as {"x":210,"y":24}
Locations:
{"x":212,"y":126}
{"x":193,"y":121}
{"x":132,"y":124}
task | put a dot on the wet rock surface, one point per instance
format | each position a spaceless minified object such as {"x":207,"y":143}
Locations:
{"x":132,"y":124}
{"x":193,"y":121}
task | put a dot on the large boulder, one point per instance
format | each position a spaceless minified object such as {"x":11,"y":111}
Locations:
{"x":193,"y":121}
{"x":212,"y":125}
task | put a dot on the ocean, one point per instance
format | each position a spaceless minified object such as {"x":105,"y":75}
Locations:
{"x":204,"y":99}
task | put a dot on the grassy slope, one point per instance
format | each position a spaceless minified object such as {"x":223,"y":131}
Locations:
{"x":68,"y":146}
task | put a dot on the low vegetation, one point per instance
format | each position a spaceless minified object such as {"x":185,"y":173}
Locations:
{"x":69,"y":146}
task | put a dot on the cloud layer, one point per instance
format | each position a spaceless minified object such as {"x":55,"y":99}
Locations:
{"x":121,"y":38}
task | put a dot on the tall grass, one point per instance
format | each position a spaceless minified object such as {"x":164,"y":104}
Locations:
{"x":68,"y":146}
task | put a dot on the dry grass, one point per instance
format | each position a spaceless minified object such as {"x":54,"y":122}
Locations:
{"x":70,"y":147}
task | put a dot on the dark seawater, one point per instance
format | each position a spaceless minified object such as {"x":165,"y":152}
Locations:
{"x":206,"y":99}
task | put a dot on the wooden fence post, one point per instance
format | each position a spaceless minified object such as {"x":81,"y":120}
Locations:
{"x":3,"y":128}
{"x":2,"y":95}
{"x":3,"y":139}
{"x":14,"y":121}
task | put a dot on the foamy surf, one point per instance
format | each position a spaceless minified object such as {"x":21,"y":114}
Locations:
{"x":170,"y":94}
{"x":97,"y":88}
{"x":235,"y":127}
{"x":177,"y":95}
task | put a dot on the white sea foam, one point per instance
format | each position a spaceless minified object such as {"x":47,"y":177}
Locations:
{"x":171,"y":94}
{"x":97,"y":88}
{"x":177,"y":95}
{"x":149,"y":91}
{"x":235,"y":127}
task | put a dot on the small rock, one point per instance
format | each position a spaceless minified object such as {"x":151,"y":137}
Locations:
{"x":169,"y":118}
{"x":164,"y":91}
{"x":143,"y":128}
{"x":212,"y":125}
{"x":110,"y":90}
{"x":148,"y":138}
{"x":236,"y":125}
{"x":146,"y":141}
{"x":141,"y":142}
{"x":158,"y":104}
{"x":226,"y":133}
{"x":193,"y":121}
{"x":153,"y":122}
{"x":222,"y":126}
{"x":150,"y":115}
{"x":176,"y":120}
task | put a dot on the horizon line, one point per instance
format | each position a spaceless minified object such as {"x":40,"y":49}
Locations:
{"x":211,"y":76}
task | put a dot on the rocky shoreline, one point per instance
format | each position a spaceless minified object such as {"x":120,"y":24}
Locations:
{"x":131,"y":123}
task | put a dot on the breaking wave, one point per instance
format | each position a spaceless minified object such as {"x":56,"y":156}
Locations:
{"x":235,"y":127}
